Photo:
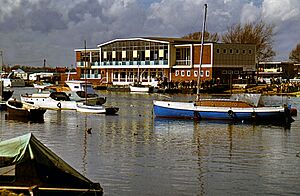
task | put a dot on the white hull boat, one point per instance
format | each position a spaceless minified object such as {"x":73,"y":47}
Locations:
{"x":95,"y":109}
{"x":52,"y":101}
{"x":144,"y":89}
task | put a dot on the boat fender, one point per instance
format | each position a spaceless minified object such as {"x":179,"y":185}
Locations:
{"x":230,"y":113}
{"x":253,"y":115}
{"x":59,"y":105}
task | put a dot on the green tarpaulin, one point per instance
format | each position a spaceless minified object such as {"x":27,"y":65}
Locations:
{"x":35,"y":164}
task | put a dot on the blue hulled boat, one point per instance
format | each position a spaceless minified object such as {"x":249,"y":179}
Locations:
{"x":242,"y":107}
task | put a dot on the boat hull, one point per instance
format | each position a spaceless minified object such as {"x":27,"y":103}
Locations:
{"x":168,"y":109}
{"x":24,"y":111}
{"x":96,"y":109}
{"x":47,"y":102}
{"x":139,"y":89}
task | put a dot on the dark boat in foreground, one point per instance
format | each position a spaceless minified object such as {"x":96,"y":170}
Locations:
{"x":27,"y":166}
{"x":24,"y":110}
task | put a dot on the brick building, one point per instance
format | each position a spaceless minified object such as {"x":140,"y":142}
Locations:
{"x":120,"y":61}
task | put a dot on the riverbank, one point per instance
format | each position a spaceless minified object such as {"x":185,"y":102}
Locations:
{"x":266,"y":89}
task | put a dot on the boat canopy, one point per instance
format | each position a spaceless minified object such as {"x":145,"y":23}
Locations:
{"x":24,"y":160}
{"x":253,"y":99}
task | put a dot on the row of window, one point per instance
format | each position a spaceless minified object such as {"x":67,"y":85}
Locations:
{"x":188,"y":73}
{"x":232,"y":51}
{"x":133,"y":45}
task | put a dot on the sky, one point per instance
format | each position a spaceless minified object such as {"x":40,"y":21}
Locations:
{"x":34,"y":30}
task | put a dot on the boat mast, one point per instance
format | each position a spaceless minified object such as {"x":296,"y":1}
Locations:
{"x":85,"y":79}
{"x":201,"y":51}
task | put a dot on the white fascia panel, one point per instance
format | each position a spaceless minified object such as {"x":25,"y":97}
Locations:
{"x":131,"y":39}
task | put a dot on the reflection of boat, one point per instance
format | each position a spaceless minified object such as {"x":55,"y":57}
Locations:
{"x":238,"y":109}
{"x":29,"y":167}
{"x":24,"y":110}
{"x":50,"y":100}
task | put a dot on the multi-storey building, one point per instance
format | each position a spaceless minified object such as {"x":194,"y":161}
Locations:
{"x":121,"y":61}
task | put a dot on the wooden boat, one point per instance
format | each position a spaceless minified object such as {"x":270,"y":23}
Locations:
{"x":50,"y":100}
{"x":238,"y":109}
{"x":29,"y":167}
{"x":18,"y":109}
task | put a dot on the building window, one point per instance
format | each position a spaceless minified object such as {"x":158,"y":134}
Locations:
{"x":207,"y":73}
{"x":237,"y":51}
{"x":201,"y":73}
{"x":176,"y":73}
{"x":230,"y":71}
{"x":230,"y":51}
{"x":182,"y":73}
{"x":116,"y":75}
{"x":224,"y":72}
{"x":195,"y":73}
{"x":188,"y":73}
{"x":250,"y":51}
{"x":236,"y":71}
{"x":218,"y":50}
{"x":224,"y":51}
{"x":244,"y":51}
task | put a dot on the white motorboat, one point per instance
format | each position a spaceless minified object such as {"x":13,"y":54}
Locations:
{"x":50,"y":100}
{"x":76,"y":89}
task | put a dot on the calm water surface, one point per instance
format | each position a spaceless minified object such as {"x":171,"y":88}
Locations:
{"x":135,"y":154}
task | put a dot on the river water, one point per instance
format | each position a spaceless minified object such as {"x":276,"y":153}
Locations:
{"x":133,"y":153}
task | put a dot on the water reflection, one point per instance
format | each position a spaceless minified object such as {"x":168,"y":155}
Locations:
{"x":135,"y":154}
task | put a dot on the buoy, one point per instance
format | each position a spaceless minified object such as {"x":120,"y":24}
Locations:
{"x":230,"y":113}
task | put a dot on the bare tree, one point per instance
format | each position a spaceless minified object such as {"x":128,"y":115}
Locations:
{"x":295,"y":54}
{"x":260,"y":34}
{"x":207,"y":36}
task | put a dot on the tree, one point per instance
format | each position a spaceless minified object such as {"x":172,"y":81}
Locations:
{"x":207,"y":36}
{"x":260,"y":34}
{"x":295,"y":54}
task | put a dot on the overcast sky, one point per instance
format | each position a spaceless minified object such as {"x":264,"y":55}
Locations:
{"x":33,"y":30}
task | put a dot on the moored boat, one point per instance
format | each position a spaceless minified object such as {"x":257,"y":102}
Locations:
{"x":27,"y":166}
{"x":96,"y":109}
{"x":23,"y":110}
{"x":239,"y":109}
{"x":139,"y":88}
{"x":223,"y":109}
{"x":77,"y":89}
{"x":50,"y":100}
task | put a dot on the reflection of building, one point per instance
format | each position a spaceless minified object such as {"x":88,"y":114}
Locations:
{"x":120,"y":61}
